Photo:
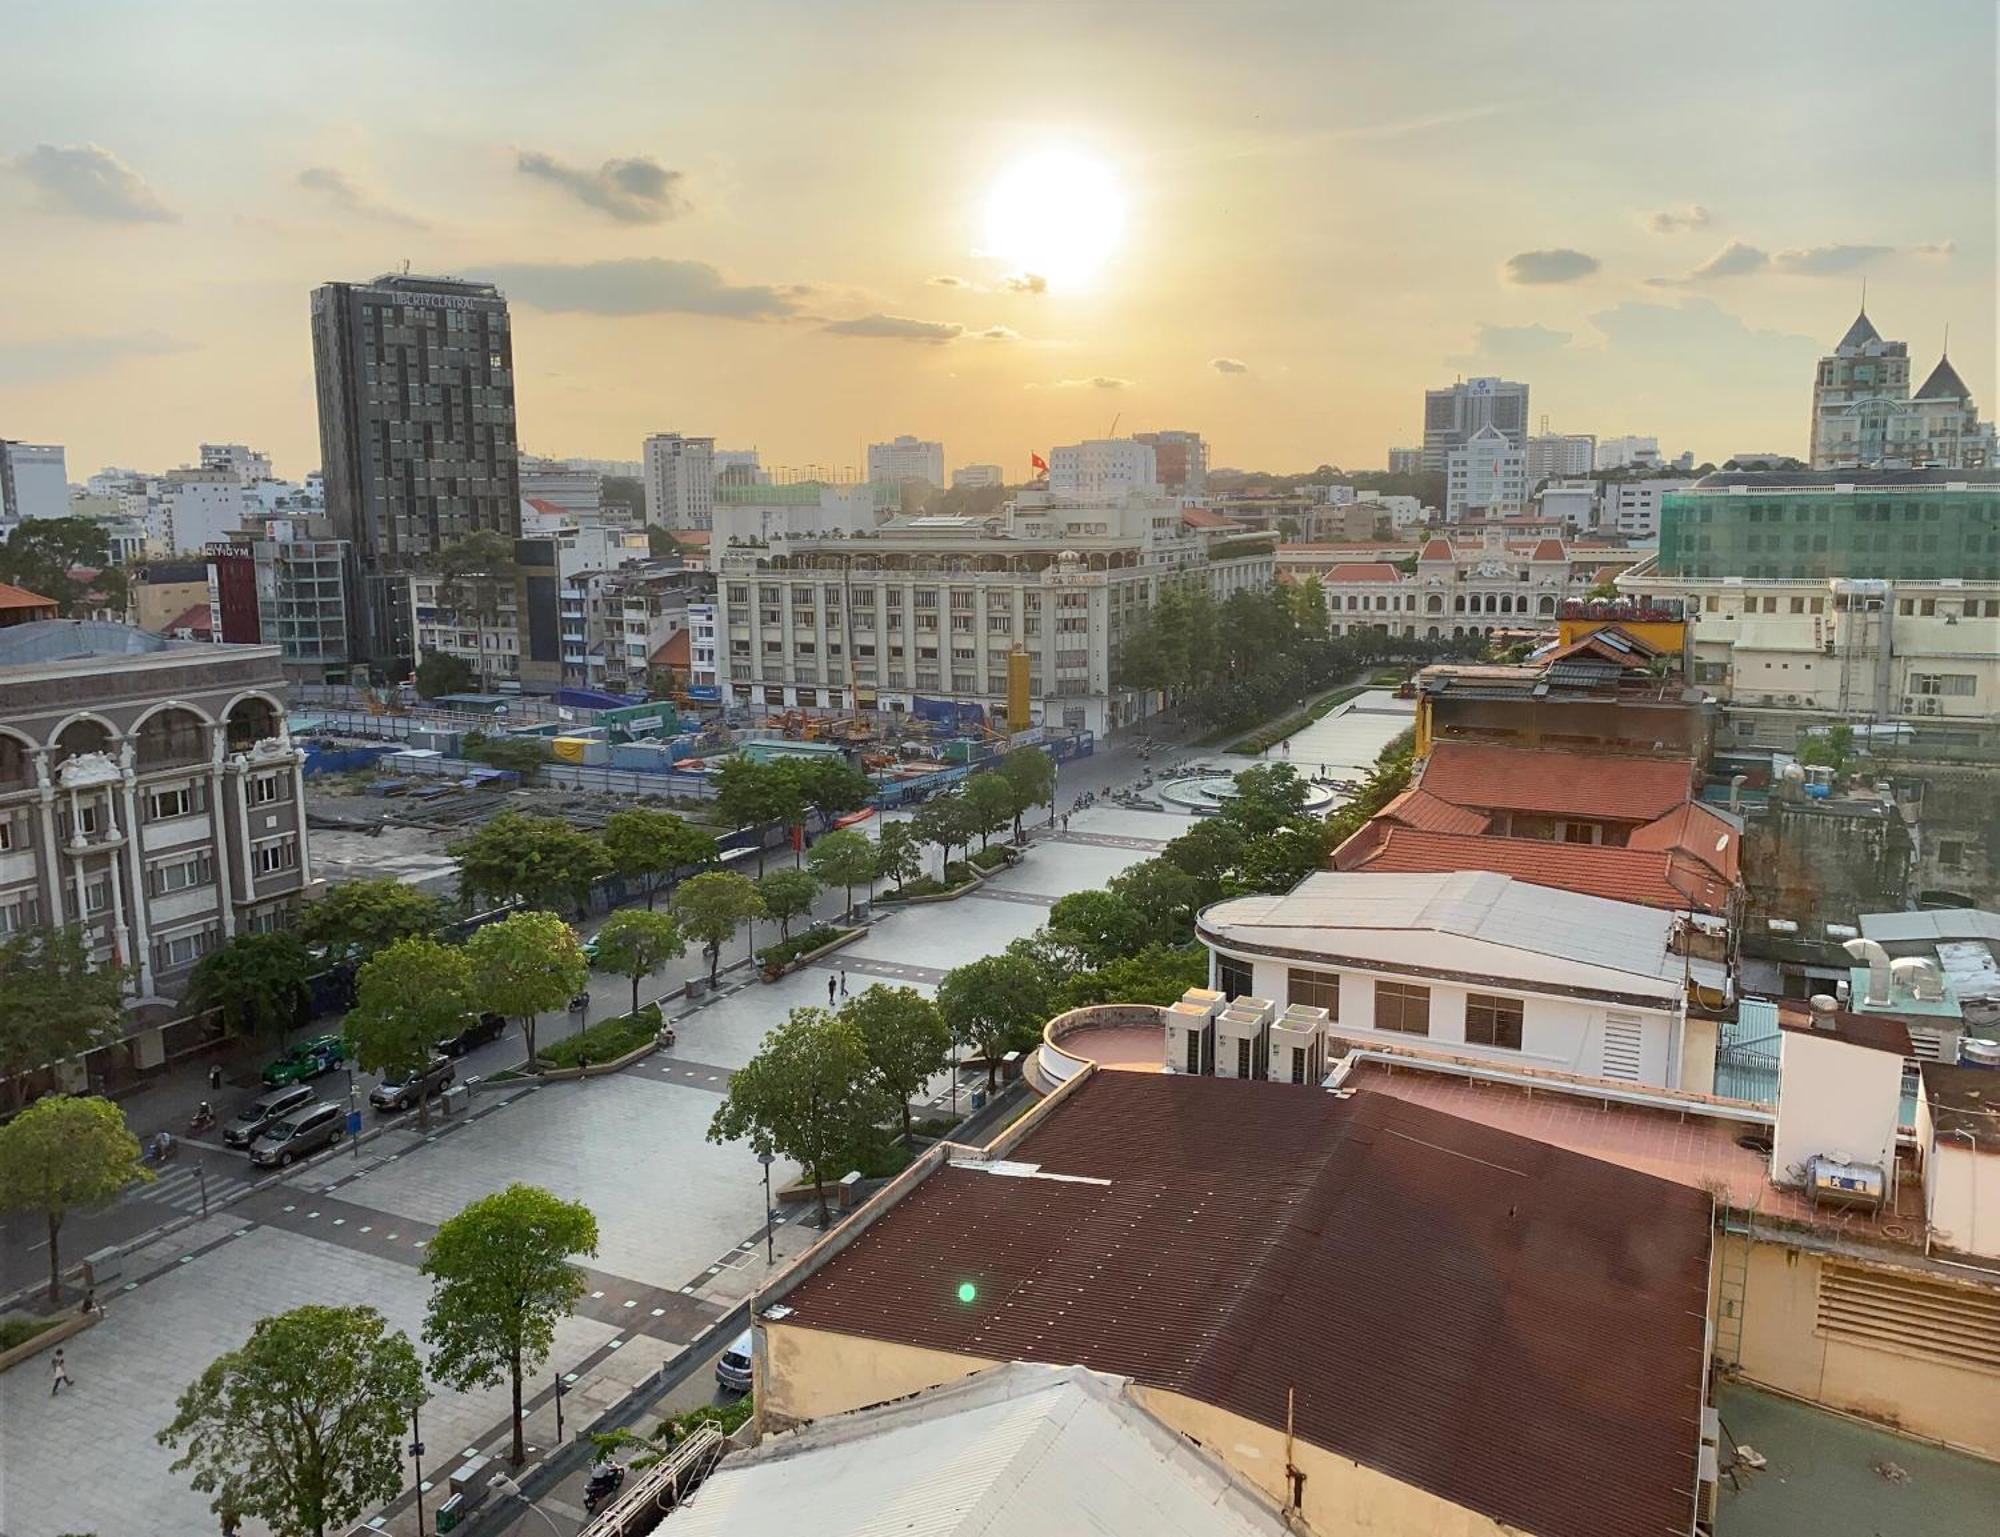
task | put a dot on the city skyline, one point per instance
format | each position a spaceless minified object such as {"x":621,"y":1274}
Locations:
{"x":1238,"y":240}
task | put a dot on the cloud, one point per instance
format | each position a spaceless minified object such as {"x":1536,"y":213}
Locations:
{"x":1229,"y":365}
{"x":1560,"y":265}
{"x":1822,"y":260}
{"x":1026,"y":283}
{"x":638,"y":190}
{"x":897,"y":328}
{"x":644,"y":285}
{"x":998,"y":334}
{"x":345,"y":193}
{"x":89,"y":180}
{"x":1512,"y":343}
{"x":1674,"y":221}
{"x":1937,"y":250}
{"x":1734,"y":260}
{"x":67,"y":357}
{"x":948,"y":280}
{"x":1095,"y":382}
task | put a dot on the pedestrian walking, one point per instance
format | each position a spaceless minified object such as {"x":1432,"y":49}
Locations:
{"x":61,"y":1374}
{"x":215,"y":1076}
{"x":843,"y":982}
{"x":831,"y":984}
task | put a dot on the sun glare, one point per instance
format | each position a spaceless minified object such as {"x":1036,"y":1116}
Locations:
{"x":1056,"y":215}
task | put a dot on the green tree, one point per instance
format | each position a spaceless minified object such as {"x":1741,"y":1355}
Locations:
{"x":1158,"y":974}
{"x":635,"y":943}
{"x":1207,"y":852}
{"x":525,"y":964}
{"x":63,"y":1152}
{"x":1279,"y":860}
{"x":843,"y":858}
{"x":906,"y":1039}
{"x":42,"y":553}
{"x":1163,"y":894}
{"x":660,"y":542}
{"x":750,"y":794}
{"x":357,"y":918}
{"x":301,"y":1427}
{"x":1388,"y":779}
{"x":53,"y":1003}
{"x":787,"y":894}
{"x":988,"y":802}
{"x":257,"y":981}
{"x":1032,"y":773}
{"x":712,"y":906}
{"x":829,"y":786}
{"x":534,"y":860}
{"x":943,"y":820}
{"x":441,"y":673}
{"x":1267,"y":797}
{"x":898,"y":853}
{"x":996,"y":1004}
{"x":1096,"y":926}
{"x":1832,"y":748}
{"x":809,"y":1094}
{"x":502,"y":1279}
{"x":523,"y":755}
{"x":648,"y":846}
{"x":408,"y":996}
{"x":475,"y":573}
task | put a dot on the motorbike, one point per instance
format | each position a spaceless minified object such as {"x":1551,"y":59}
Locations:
{"x":160,"y":1149}
{"x":580,"y":1003}
{"x":604,"y":1482}
{"x":202,"y":1120}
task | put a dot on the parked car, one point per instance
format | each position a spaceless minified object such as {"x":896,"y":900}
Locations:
{"x":399,"y":1091}
{"x":299,"y":1135}
{"x":477,"y":1032}
{"x":253,"y":1118}
{"x":732,"y":1367}
{"x":590,"y":951}
{"x":308,"y":1059}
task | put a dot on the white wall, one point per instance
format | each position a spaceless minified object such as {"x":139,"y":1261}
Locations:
{"x":1834,"y":1097}
{"x":1964,"y":1198}
{"x":1557,"y":1034}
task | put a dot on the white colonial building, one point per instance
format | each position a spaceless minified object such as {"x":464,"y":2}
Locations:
{"x":1102,"y":469}
{"x":1457,"y":591}
{"x":1487,"y":475}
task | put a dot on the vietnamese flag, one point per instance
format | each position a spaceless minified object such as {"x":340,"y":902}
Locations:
{"x":1038,"y":462}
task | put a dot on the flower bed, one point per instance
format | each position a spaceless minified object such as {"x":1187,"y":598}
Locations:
{"x":993,"y":857}
{"x":777,"y":957}
{"x":606,"y":1040}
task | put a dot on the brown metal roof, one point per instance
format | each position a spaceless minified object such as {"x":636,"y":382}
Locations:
{"x":1876,"y":1032}
{"x":1513,"y":1327}
{"x":1965,"y":1102}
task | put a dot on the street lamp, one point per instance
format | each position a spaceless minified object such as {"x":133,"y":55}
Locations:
{"x":770,"y":1256}
{"x":417,"y":1456}
{"x":559,"y":1422}
{"x":507,"y":1486}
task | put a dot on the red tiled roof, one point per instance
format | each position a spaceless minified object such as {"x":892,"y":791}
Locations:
{"x":1427,"y":813}
{"x":1699,"y":833}
{"x":546,"y":508}
{"x":674,"y":651}
{"x":1644,"y":876}
{"x":1206,"y":517}
{"x":1549,"y":549}
{"x":19,"y":597}
{"x":1585,"y":785}
{"x":692,"y":535}
{"x":196,"y":617}
{"x":1492,"y":1319}
{"x":1436,"y":548}
{"x":1370,"y":571}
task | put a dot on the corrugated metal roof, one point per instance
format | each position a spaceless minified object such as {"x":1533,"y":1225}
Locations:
{"x":1015,"y":1451}
{"x":1515,"y":1328}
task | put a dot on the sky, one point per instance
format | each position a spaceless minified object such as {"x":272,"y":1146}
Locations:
{"x":802,"y":227}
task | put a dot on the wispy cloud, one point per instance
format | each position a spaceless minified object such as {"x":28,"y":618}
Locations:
{"x":1510,"y":344}
{"x":998,"y":334}
{"x":1559,"y":265}
{"x":645,"y":285}
{"x":67,"y":357}
{"x":1736,"y":259}
{"x":949,"y":280}
{"x":1674,"y":221}
{"x":1936,"y":250}
{"x":1094,"y":382}
{"x":636,"y":190}
{"x":900,"y":328}
{"x":1825,"y":260}
{"x":348,"y":195}
{"x":1739,"y":259}
{"x":1229,"y":365}
{"x":89,"y":180}
{"x":1026,"y":283}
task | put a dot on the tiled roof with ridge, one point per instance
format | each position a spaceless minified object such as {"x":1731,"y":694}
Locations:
{"x":1604,"y":786}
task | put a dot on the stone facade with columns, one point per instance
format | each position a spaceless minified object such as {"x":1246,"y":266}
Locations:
{"x":149,"y":791}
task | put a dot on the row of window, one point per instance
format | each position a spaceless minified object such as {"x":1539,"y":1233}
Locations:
{"x":1404,"y":1007}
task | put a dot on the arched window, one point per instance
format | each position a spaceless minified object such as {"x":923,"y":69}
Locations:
{"x":172,"y":739}
{"x":250,"y":722}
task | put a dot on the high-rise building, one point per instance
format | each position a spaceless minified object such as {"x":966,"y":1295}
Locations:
{"x":192,"y":509}
{"x":1559,"y":455}
{"x":33,"y":481}
{"x":1485,"y":474}
{"x":1864,"y":413}
{"x":238,"y":459}
{"x":971,"y":477}
{"x":680,"y":481}
{"x":417,"y":431}
{"x":740,"y":467}
{"x":1102,"y":469}
{"x":1454,"y":414}
{"x":1406,"y":461}
{"x":1180,"y":460}
{"x":1629,"y":453}
{"x":906,"y":459}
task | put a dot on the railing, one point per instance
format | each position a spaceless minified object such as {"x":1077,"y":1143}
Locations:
{"x":1058,"y":1065}
{"x":651,"y":1494}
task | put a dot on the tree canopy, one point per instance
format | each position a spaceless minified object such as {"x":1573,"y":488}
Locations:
{"x":257,"y":981}
{"x":1032,"y":775}
{"x":441,"y":673}
{"x":987,"y":804}
{"x":537,"y":861}
{"x":63,"y":1152}
{"x":843,"y":858}
{"x":898,"y":853}
{"x":301,"y":1427}
{"x":711,"y":907}
{"x":502,"y":1278}
{"x":906,"y":1039}
{"x":810,"y":1094}
{"x":357,"y":918}
{"x":53,"y":1003}
{"x":41,"y":553}
{"x":525,"y":964}
{"x":635,"y":942}
{"x":408,"y":996}
{"x":788,"y":894}
{"x":649,"y":846}
{"x":996,"y":1004}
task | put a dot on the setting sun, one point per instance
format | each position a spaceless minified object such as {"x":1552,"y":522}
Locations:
{"x":1057,"y":215}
